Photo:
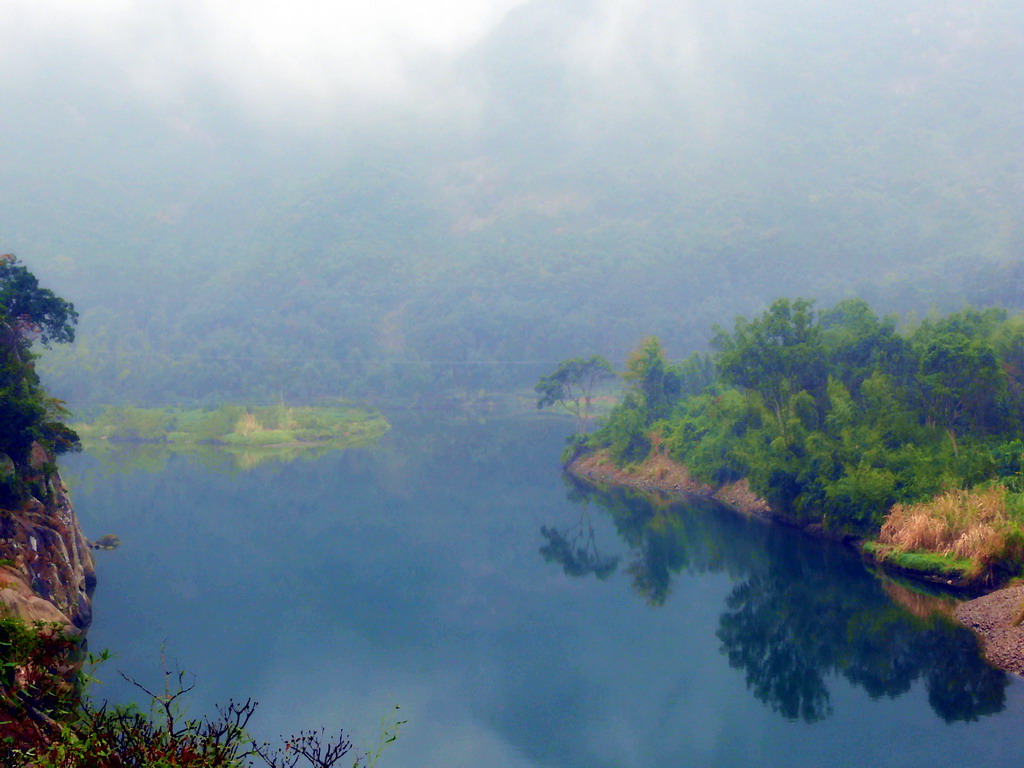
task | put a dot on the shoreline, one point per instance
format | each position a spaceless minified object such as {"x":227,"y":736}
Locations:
{"x":659,"y":474}
{"x":990,"y":616}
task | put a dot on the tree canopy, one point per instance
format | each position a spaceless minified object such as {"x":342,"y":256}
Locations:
{"x":28,"y":311}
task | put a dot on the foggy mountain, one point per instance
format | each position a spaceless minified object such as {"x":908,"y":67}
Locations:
{"x":452,"y":198}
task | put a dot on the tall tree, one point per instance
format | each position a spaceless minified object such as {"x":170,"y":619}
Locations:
{"x":27,"y":414}
{"x":958,"y":379}
{"x":572,"y":386}
{"x":657,"y":382}
{"x":29,"y":312}
{"x":778,"y":354}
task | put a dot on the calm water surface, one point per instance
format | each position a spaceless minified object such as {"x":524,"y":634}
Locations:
{"x":519,"y":620}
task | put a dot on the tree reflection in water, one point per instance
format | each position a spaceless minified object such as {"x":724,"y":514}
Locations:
{"x":788,"y":635}
{"x":574,"y":547}
{"x":800,"y":612}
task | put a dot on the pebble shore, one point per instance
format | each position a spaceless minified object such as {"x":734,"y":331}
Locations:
{"x":992,"y":616}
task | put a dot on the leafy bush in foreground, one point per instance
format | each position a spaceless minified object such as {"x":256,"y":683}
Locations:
{"x":47,"y":721}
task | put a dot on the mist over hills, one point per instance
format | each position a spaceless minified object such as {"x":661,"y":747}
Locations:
{"x":566,"y":179}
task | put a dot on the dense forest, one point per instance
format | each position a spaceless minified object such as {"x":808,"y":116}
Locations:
{"x":837,"y":416}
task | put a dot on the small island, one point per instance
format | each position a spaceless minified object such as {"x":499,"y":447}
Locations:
{"x":905,"y":442}
{"x":251,"y":433}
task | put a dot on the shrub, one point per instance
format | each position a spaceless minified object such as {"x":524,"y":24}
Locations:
{"x":47,"y":722}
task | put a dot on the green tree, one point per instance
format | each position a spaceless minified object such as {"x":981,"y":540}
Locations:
{"x":656,"y":382}
{"x":778,"y":354}
{"x":572,"y":386}
{"x":29,"y":312}
{"x":27,"y":414}
{"x":959,"y":378}
{"x":858,"y":343}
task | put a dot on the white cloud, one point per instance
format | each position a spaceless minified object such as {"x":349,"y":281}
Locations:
{"x":303,"y":50}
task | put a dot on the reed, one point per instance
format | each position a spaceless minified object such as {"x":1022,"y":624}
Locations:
{"x":971,"y":524}
{"x":981,"y":526}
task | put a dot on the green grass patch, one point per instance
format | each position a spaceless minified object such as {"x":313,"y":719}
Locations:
{"x":922,"y":562}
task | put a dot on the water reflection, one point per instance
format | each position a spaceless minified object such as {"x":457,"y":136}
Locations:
{"x":788,"y":635}
{"x":123,"y":457}
{"x":800,"y":612}
{"x":575,"y":549}
{"x":575,"y":546}
{"x":663,"y":542}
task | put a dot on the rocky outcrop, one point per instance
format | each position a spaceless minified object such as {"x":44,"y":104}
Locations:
{"x":46,"y":566}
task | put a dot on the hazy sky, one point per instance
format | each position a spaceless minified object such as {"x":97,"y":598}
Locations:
{"x":316,"y":60}
{"x":310,"y":52}
{"x":531,"y":81}
{"x":116,"y":87}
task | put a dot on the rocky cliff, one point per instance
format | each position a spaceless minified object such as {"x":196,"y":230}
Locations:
{"x":46,"y":566}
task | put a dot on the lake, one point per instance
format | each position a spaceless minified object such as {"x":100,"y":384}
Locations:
{"x":519,"y":619}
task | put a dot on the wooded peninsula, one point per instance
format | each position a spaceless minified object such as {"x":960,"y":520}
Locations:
{"x":908,"y":439}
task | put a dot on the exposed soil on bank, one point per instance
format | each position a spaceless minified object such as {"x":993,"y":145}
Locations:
{"x":992,"y":617}
{"x":659,"y":473}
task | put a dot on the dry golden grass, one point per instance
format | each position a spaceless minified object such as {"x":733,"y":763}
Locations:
{"x":978,"y":541}
{"x":247,"y":424}
{"x":965,"y":524}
